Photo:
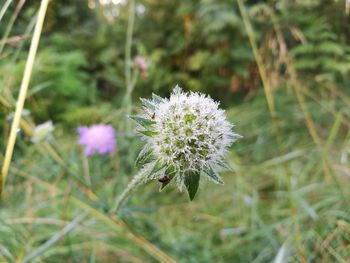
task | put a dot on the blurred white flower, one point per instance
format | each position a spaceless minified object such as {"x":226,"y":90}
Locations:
{"x":186,"y":135}
{"x":114,"y":2}
{"x":140,"y":9}
{"x":24,"y":113}
{"x":42,"y":131}
{"x":248,"y":200}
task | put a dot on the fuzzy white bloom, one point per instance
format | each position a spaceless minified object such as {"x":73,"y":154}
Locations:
{"x":192,"y":132}
{"x":186,"y":134}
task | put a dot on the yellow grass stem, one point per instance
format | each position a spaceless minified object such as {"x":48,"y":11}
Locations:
{"x":28,"y":130}
{"x":258,"y":58}
{"x":301,"y":100}
{"x":289,"y":63}
{"x":310,"y":124}
{"x":53,"y":153}
{"x":23,"y":93}
{"x":262,"y":72}
{"x":4,"y":102}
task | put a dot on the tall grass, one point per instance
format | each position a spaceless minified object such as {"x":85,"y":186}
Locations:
{"x":24,"y":86}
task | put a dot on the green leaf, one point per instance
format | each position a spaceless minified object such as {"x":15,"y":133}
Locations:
{"x":306,"y":63}
{"x":39,"y":87}
{"x":156,"y":168}
{"x":159,"y":165}
{"x":213,"y":175}
{"x":303,"y":49}
{"x":142,"y":121}
{"x":148,"y":133}
{"x":198,"y":60}
{"x":148,"y":104}
{"x":144,"y":156}
{"x":192,"y":183}
{"x":326,"y":35}
{"x":331,"y":47}
{"x":224,"y":164}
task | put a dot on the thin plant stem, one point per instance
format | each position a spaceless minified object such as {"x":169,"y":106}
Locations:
{"x":129,"y":80}
{"x":134,"y":183}
{"x":4,"y":8}
{"x":263,"y":74}
{"x":128,"y":44}
{"x":259,"y":61}
{"x":11,"y":23}
{"x":289,"y":63}
{"x":86,"y":169}
{"x":128,"y":190}
{"x":55,"y":238}
{"x":23,"y":92}
{"x":26,"y":35}
{"x":295,"y":221}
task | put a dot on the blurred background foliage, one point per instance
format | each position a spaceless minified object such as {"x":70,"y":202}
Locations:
{"x":203,"y":47}
{"x":287,"y":196}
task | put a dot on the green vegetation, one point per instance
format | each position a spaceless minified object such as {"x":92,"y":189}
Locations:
{"x":281,"y":73}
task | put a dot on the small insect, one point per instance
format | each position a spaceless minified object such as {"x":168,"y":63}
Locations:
{"x":164,"y":180}
{"x":153,"y":115}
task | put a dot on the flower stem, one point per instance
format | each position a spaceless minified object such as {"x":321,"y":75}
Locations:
{"x":23,"y":93}
{"x":129,"y":83}
{"x":128,"y":45}
{"x":135,"y":182}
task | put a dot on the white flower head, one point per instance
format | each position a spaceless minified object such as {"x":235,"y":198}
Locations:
{"x":187,"y":135}
{"x":42,"y":132}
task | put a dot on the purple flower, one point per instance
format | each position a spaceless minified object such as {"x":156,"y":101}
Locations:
{"x":98,"y":138}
